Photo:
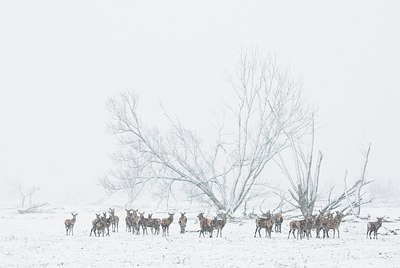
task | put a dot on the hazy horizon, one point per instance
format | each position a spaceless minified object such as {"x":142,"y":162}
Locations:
{"x":61,"y":61}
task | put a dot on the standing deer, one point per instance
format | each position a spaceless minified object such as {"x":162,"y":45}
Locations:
{"x":319,"y":223}
{"x":205,"y":225}
{"x":69,"y":224}
{"x":155,"y":226}
{"x":142,"y":223}
{"x":374,"y":227}
{"x":106,"y":222}
{"x":293,"y":226}
{"x":182,"y":222}
{"x":333,"y":223}
{"x":135,"y":222}
{"x":129,"y":220}
{"x":114,"y":220}
{"x":278,"y":219}
{"x":165,"y":223}
{"x":219,"y":224}
{"x":98,"y":225}
{"x":264,"y":222}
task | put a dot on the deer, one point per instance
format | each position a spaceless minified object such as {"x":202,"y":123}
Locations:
{"x":107,"y":222}
{"x":166,"y":222}
{"x":155,"y":225}
{"x":114,"y":219}
{"x":205,"y":225}
{"x":333,"y":223}
{"x":99,"y":225}
{"x":142,"y":223}
{"x":135,"y":222}
{"x":129,"y":220}
{"x":182,"y":222}
{"x":69,"y":224}
{"x":219,"y":224}
{"x":277,"y":220}
{"x":307,"y":226}
{"x":94,"y":222}
{"x":293,"y":227}
{"x":319,"y":223}
{"x":374,"y":227}
{"x":265,"y":221}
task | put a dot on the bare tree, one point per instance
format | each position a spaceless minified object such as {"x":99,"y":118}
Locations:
{"x":27,"y":203}
{"x":355,"y":205}
{"x":304,"y":182}
{"x":269,"y":109}
{"x":352,"y":198}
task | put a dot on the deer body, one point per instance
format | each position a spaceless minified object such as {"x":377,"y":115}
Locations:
{"x":293,"y":226}
{"x":165,"y":223}
{"x":182,"y":222}
{"x":219,"y":224}
{"x":114,"y":220}
{"x":278,"y":219}
{"x":155,"y":224}
{"x":205,"y":225}
{"x":374,"y":227}
{"x":99,"y":225}
{"x":129,"y":220}
{"x":142,"y":223}
{"x":266,"y":223}
{"x":69,"y":224}
{"x":332,"y":223}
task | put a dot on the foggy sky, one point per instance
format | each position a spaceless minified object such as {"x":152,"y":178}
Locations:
{"x":61,"y":60}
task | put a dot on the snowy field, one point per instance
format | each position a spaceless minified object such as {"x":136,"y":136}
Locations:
{"x":38,"y":240}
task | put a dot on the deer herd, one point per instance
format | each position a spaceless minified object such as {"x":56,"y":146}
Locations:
{"x":137,"y":222}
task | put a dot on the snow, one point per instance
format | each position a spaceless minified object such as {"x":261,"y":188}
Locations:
{"x":38,"y":240}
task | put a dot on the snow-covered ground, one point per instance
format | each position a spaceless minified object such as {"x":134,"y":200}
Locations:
{"x":38,"y":240}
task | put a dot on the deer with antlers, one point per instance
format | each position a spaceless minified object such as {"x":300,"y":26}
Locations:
{"x":165,"y":223}
{"x":265,"y":221}
{"x":374,"y":227}
{"x":205,"y":225}
{"x":114,"y":220}
{"x":69,"y":224}
{"x":182,"y":222}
